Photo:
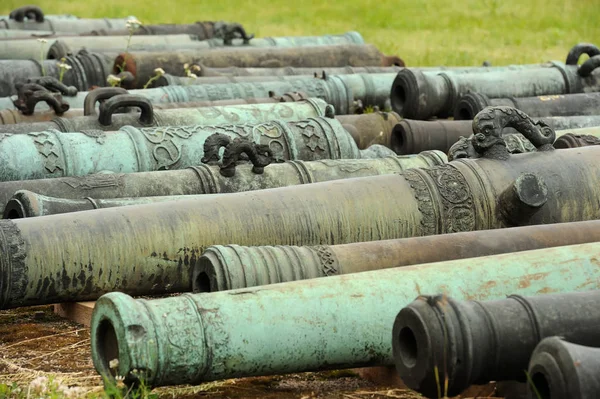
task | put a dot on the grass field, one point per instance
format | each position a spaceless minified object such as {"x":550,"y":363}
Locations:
{"x":426,"y":32}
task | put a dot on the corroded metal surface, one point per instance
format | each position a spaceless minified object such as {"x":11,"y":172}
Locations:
{"x":332,"y":90}
{"x":86,"y":70}
{"x":203,"y":179}
{"x":422,"y":95}
{"x":465,"y":195}
{"x":65,"y":24}
{"x":108,"y":119}
{"x":50,"y":153}
{"x":142,"y":64}
{"x":412,"y":136}
{"x":305,"y":325}
{"x":458,"y":337}
{"x":344,"y":92}
{"x":58,"y":47}
{"x":228,"y":267}
{"x":12,"y":116}
{"x":372,"y":128}
{"x":571,"y":140}
{"x":561,"y":369}
{"x":286,"y":71}
{"x":553,"y":105}
{"x":202,"y":30}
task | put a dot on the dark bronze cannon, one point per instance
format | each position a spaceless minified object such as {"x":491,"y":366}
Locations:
{"x":205,"y":72}
{"x":144,"y":188}
{"x":561,"y":369}
{"x":496,"y":190}
{"x":50,"y":153}
{"x":108,"y":118}
{"x":371,"y":128}
{"x":574,"y":140}
{"x":57,"y":47}
{"x":473,"y":342}
{"x":202,"y":30}
{"x":82,"y":71}
{"x":229,"y":267}
{"x":143,"y":64}
{"x":553,"y":105}
{"x":199,"y":179}
{"x":422,"y":95}
{"x":112,"y":45}
{"x":318,"y":324}
{"x":347,"y":70}
{"x":412,"y":136}
{"x":33,"y":18}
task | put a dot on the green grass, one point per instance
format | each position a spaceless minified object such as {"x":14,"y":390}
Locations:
{"x":422,"y":32}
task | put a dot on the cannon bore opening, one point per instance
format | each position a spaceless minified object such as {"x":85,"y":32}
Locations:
{"x":202,"y":283}
{"x":464,"y":114}
{"x":399,"y":99}
{"x":541,"y":384}
{"x":408,"y":347}
{"x":108,"y":346}
{"x":14,"y":209}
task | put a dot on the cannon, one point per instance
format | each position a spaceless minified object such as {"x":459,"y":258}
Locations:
{"x":304,"y":325}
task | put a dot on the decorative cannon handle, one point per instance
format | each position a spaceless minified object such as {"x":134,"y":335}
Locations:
{"x":488,"y":125}
{"x":578,"y":50}
{"x":260,"y":155}
{"x":29,"y":94}
{"x":50,"y":83}
{"x":588,"y":66}
{"x":99,"y":94}
{"x":212,"y":146}
{"x":126,"y":100}
{"x":27,"y":103}
{"x":230,"y":31}
{"x":28,"y":11}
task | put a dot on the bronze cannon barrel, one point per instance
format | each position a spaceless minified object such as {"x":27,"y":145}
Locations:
{"x":10,"y":115}
{"x":346,"y":70}
{"x":413,"y":136}
{"x":40,"y":22}
{"x":201,"y":179}
{"x":50,"y":153}
{"x":206,"y":72}
{"x":371,"y":128}
{"x":333,"y":90}
{"x":82,"y":71}
{"x":494,"y":191}
{"x":553,"y":105}
{"x":142,"y":64}
{"x":364,"y":89}
{"x":422,"y":95}
{"x":197,"y":180}
{"x":108,"y":119}
{"x":441,"y":333}
{"x":201,"y":29}
{"x":57,"y":47}
{"x":562,"y":369}
{"x":110,"y":44}
{"x":229,"y":267}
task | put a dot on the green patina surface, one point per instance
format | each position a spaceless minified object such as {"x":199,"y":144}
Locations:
{"x":108,"y":190}
{"x":50,"y":153}
{"x":337,"y":322}
{"x":231,"y":114}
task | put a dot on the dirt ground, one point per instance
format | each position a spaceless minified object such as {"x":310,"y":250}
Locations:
{"x":35,"y":342}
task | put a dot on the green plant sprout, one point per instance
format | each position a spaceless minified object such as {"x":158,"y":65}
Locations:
{"x":63,"y":68}
{"x":158,"y":72}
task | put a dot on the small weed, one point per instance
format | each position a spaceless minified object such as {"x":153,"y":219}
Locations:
{"x":63,"y":68}
{"x":158,"y":72}
{"x":532,"y":385}
{"x":42,"y":54}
